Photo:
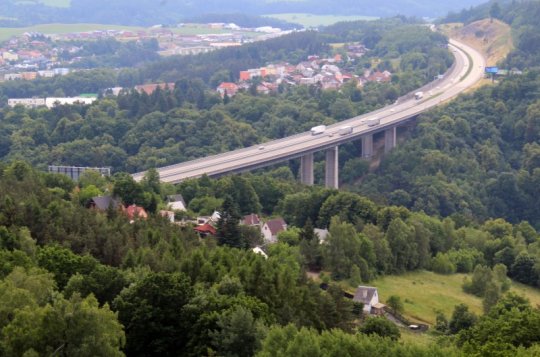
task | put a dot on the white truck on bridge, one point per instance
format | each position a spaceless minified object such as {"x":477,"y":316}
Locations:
{"x":373,"y":121}
{"x":319,"y":129}
{"x":345,"y":130}
{"x":418,"y":95}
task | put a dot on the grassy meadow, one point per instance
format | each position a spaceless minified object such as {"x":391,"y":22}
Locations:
{"x":424,"y":293}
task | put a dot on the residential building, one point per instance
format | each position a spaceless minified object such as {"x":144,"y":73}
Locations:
{"x":27,"y":102}
{"x":134,"y":212}
{"x":205,"y":230}
{"x":167,"y":214}
{"x":252,"y":220}
{"x":227,"y":88}
{"x":271,"y":229}
{"x":245,"y":76}
{"x":322,"y":234}
{"x":176,"y":203}
{"x":9,"y":56}
{"x":12,"y":76}
{"x":103,"y":203}
{"x":29,"y":76}
{"x":54,"y":101}
{"x":380,"y":77}
{"x":61,"y":71}
{"x":369,"y":296}
{"x":46,"y":73}
{"x":214,"y":218}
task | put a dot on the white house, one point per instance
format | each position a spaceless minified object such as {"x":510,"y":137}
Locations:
{"x":368,"y":296}
{"x":52,"y":102}
{"x":322,"y":234}
{"x":176,"y":203}
{"x":271,"y":229}
{"x":27,"y":102}
{"x":167,"y":214}
{"x":214,"y":218}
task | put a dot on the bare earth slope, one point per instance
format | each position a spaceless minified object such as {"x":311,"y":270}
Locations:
{"x":492,"y":38}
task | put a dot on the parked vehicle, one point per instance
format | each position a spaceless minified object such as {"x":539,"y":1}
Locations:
{"x":418,"y":95}
{"x":345,"y":130}
{"x":319,"y":129}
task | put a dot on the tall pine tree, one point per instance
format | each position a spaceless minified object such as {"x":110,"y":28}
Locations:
{"x":228,"y":232}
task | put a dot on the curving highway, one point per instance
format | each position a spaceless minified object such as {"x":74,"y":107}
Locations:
{"x":467,"y":70}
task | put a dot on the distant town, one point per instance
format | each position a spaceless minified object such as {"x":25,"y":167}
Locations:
{"x":36,"y":55}
{"x":328,"y":73}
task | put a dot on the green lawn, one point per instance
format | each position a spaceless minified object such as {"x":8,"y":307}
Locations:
{"x":310,"y":20}
{"x":424,"y":293}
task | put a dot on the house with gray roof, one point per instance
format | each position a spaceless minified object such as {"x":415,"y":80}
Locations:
{"x":368,"y":296}
{"x":176,"y":203}
{"x":103,"y":203}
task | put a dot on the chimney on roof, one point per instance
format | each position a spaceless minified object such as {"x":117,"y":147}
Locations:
{"x":365,"y":293}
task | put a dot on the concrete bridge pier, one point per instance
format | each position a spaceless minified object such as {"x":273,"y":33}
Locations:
{"x":367,"y":146}
{"x":390,"y":139}
{"x":306,"y":169}
{"x":331,"y":178}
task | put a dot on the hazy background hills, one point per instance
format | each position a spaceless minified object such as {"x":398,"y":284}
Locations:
{"x":143,"y":12}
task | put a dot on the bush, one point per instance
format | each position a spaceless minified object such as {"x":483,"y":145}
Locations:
{"x":380,"y":326}
{"x":441,"y":264}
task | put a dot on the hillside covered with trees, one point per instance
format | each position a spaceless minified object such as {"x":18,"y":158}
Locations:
{"x":136,"y":131}
{"x":478,"y":156}
{"x":459,"y":196}
{"x":140,"y":12}
{"x":147,"y":286}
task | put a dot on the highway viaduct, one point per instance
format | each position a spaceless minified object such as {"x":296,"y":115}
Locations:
{"x":467,"y":70}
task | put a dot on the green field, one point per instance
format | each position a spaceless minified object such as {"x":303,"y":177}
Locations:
{"x":7,"y":32}
{"x":310,"y":20}
{"x":425,"y":292}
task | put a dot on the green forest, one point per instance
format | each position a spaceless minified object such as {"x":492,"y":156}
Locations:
{"x":457,"y":196}
{"x":78,"y":281}
{"x":138,"y":131}
{"x":478,"y":157}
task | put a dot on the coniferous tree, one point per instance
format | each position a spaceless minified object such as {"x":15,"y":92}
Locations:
{"x":310,"y":247}
{"x":228,"y":232}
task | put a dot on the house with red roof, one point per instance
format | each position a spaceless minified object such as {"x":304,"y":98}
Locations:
{"x":380,"y":77}
{"x":228,"y":88}
{"x":251,"y":220}
{"x":205,"y":230}
{"x":134,"y":212}
{"x":271,"y":229}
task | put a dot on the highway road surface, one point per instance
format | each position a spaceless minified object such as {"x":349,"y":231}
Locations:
{"x":467,"y":70}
